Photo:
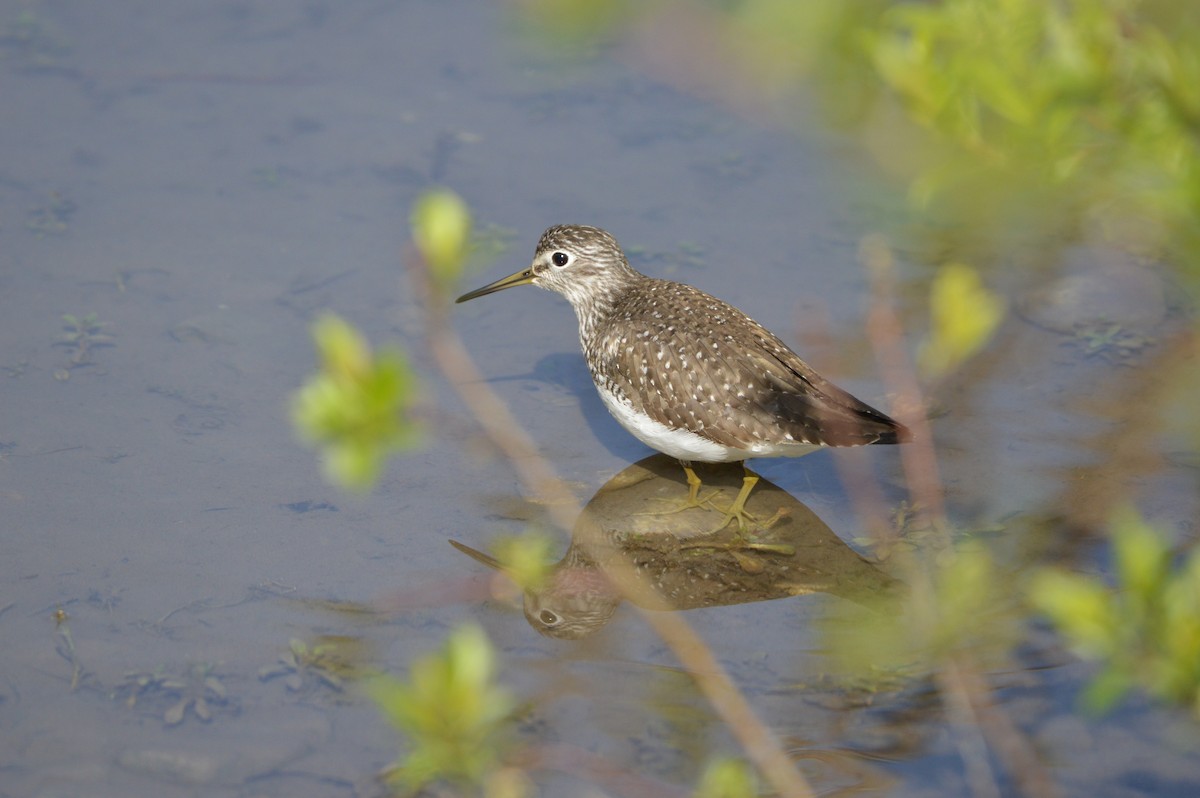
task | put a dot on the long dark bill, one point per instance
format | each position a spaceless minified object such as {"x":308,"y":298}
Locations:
{"x":520,"y":278}
{"x":478,"y":556}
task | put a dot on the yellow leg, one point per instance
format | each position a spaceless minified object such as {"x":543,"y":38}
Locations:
{"x":693,"y":484}
{"x":693,"y":499}
{"x":738,"y":508}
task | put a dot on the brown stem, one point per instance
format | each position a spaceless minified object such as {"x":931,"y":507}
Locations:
{"x":760,"y":744}
{"x":961,"y":679}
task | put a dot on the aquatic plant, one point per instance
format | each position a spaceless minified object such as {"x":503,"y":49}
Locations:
{"x":52,"y":218}
{"x":301,"y":664}
{"x":1144,"y":630}
{"x":197,"y":689}
{"x":81,"y":336}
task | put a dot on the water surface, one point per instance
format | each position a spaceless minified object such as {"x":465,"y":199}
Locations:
{"x":204,"y":179}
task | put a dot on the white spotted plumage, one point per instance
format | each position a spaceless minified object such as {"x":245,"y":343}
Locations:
{"x":684,"y":372}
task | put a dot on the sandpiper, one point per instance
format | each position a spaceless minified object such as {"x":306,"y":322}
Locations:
{"x":688,"y":374}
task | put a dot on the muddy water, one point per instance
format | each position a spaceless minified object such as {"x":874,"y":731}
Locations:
{"x":204,"y":179}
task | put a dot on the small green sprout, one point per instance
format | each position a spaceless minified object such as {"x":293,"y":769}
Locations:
{"x":963,"y":316}
{"x":51,"y":219}
{"x":488,"y":243}
{"x":198,"y":690}
{"x":357,"y":407}
{"x":319,"y":664}
{"x":81,"y":336}
{"x":1110,"y":341}
{"x":526,"y":558}
{"x":454,"y":716}
{"x":441,"y":229}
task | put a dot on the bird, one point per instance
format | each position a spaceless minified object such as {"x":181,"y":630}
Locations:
{"x":688,"y":374}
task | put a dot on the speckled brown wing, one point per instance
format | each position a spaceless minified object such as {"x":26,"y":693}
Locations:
{"x":811,"y":406}
{"x":753,"y":389}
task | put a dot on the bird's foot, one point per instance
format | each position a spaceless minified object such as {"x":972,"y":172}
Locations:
{"x":693,"y":500}
{"x":747,"y":536}
{"x":734,"y":511}
{"x":749,"y":525}
{"x":737,"y":510}
{"x":680,"y":505}
{"x":745,"y":521}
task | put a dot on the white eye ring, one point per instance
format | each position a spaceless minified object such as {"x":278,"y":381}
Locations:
{"x":560,"y":259}
{"x":549,"y":618}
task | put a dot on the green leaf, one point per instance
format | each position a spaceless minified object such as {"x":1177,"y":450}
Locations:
{"x":1103,"y":693}
{"x":1080,"y":606}
{"x":526,"y":558}
{"x":1142,"y":559}
{"x":441,"y":229}
{"x":1145,"y":631}
{"x":453,"y":716}
{"x":963,"y":316}
{"x":357,"y":407}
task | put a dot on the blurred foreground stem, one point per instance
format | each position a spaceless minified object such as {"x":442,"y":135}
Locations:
{"x":959,"y":675}
{"x":539,"y":478}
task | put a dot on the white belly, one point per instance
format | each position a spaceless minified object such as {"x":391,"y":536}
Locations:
{"x":684,"y":445}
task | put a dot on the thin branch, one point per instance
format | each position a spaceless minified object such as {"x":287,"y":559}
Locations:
{"x":538,"y":477}
{"x":960,"y":678}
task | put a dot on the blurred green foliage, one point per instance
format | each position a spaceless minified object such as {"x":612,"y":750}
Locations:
{"x":1145,"y":630}
{"x":963,"y":316}
{"x":357,"y":407}
{"x":1044,"y":122}
{"x":1079,"y":115}
{"x":453,"y":715}
{"x":448,"y":241}
{"x":527,"y":559}
{"x":959,"y":602}
{"x":358,"y":410}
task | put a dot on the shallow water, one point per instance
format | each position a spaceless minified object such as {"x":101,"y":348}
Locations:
{"x":205,"y":178}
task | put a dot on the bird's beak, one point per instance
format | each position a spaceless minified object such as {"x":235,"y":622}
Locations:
{"x":476,"y":554}
{"x":524,"y":277}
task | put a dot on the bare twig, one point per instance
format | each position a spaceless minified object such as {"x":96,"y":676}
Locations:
{"x":960,"y":678}
{"x":1002,"y":734}
{"x":886,"y":335}
{"x":538,"y":477}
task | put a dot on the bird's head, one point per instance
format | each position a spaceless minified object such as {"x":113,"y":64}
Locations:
{"x":582,"y":263}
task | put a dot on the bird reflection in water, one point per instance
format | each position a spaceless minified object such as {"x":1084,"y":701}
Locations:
{"x":624,"y":547}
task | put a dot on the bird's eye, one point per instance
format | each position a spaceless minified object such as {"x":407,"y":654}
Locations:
{"x":560,"y":259}
{"x":547,"y":617}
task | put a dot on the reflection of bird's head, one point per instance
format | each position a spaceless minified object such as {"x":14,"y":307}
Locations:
{"x":576,"y":602}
